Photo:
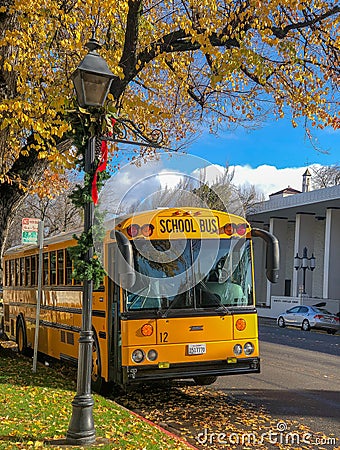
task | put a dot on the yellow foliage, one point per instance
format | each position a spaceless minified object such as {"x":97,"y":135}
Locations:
{"x":225,"y":60}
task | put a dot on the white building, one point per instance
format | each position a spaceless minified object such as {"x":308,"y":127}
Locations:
{"x":308,"y":219}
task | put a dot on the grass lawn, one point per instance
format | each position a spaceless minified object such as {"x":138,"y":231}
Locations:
{"x":37,"y":407}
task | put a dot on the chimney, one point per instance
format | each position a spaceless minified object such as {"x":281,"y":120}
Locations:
{"x":306,"y":181}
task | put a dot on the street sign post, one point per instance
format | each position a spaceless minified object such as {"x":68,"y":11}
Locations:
{"x":30,"y":230}
{"x":33,"y":233}
{"x":40,"y":242}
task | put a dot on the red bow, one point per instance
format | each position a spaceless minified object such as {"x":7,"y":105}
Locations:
{"x":101,"y":167}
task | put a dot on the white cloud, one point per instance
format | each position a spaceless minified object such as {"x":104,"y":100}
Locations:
{"x":140,"y":184}
{"x":269,"y":179}
{"x":209,"y":173}
{"x":169,"y":178}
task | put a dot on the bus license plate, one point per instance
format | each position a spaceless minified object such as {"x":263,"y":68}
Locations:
{"x":196,"y":349}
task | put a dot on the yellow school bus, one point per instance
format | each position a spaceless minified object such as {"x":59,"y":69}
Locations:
{"x":178,"y":300}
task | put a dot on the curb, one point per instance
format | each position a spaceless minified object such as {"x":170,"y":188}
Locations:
{"x":163,"y":430}
{"x":267,"y":321}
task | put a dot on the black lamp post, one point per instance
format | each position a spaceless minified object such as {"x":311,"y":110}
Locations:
{"x":304,"y":263}
{"x":92,"y":80}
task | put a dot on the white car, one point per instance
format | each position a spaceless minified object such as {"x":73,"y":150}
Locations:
{"x":307,"y":317}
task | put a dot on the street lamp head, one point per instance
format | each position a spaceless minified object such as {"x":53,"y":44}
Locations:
{"x":296,"y":261}
{"x":92,"y":78}
{"x":312,"y":262}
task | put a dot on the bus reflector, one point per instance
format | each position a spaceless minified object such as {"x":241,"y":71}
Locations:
{"x":147,"y":329}
{"x":133,"y":230}
{"x":164,"y":365}
{"x":241,"y":229}
{"x":241,"y":324}
{"x":147,"y":229}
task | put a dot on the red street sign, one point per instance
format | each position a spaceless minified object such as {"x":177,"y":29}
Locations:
{"x":30,"y":224}
{"x":29,"y":232}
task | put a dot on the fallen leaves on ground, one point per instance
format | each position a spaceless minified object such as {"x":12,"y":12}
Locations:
{"x":212,"y":419}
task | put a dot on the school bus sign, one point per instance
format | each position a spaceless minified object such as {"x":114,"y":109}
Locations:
{"x":30,"y":230}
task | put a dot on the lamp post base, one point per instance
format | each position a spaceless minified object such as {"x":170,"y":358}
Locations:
{"x":81,"y":429}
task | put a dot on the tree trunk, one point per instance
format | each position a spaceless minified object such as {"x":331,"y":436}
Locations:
{"x":28,"y":168}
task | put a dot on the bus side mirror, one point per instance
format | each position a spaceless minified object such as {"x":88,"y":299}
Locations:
{"x":273,"y":254}
{"x":125,"y":262}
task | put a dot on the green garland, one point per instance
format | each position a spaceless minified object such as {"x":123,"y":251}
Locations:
{"x":91,"y":270}
{"x":85,"y":123}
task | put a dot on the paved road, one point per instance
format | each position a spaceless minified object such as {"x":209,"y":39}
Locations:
{"x":300,"y":378}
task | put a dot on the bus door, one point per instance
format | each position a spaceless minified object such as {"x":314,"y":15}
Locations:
{"x":115,"y":370}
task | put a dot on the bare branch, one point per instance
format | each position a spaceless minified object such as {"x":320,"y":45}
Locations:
{"x":282,"y":32}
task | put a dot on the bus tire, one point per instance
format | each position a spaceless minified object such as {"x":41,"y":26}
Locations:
{"x":21,"y":337}
{"x":205,"y":380}
{"x":96,"y":374}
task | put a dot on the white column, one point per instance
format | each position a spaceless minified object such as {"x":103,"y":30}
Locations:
{"x":331,"y":278}
{"x":304,"y":237}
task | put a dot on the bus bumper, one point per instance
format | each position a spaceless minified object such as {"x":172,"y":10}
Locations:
{"x":145,"y":373}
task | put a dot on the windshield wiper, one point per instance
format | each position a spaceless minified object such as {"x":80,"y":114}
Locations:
{"x":223,"y":308}
{"x":164,"y":313}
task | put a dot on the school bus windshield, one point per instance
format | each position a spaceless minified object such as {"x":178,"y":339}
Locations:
{"x":191,"y":274}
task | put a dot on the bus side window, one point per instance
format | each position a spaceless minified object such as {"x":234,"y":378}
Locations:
{"x":33,"y":270}
{"x":17,"y":272}
{"x":7,"y":274}
{"x":27,"y":271}
{"x":68,"y":269}
{"x":60,"y":267}
{"x":12,"y":272}
{"x":45,"y":269}
{"x":53,"y":268}
{"x":22,"y":272}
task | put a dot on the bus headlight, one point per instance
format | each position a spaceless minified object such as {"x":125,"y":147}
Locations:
{"x":237,"y":349}
{"x":138,"y":356}
{"x":248,"y":348}
{"x":152,"y":355}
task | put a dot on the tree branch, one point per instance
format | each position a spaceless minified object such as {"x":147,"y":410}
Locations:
{"x":128,"y":61}
{"x":282,"y":32}
{"x":180,"y":41}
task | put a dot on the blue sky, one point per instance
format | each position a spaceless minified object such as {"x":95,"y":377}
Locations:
{"x":271,"y":158}
{"x":277,"y":143}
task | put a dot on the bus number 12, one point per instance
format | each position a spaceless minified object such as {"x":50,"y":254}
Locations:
{"x":164,"y":336}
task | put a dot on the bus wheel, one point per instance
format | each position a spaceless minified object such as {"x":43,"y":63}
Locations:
{"x":22,"y":338}
{"x":205,"y":381}
{"x":96,"y":375}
